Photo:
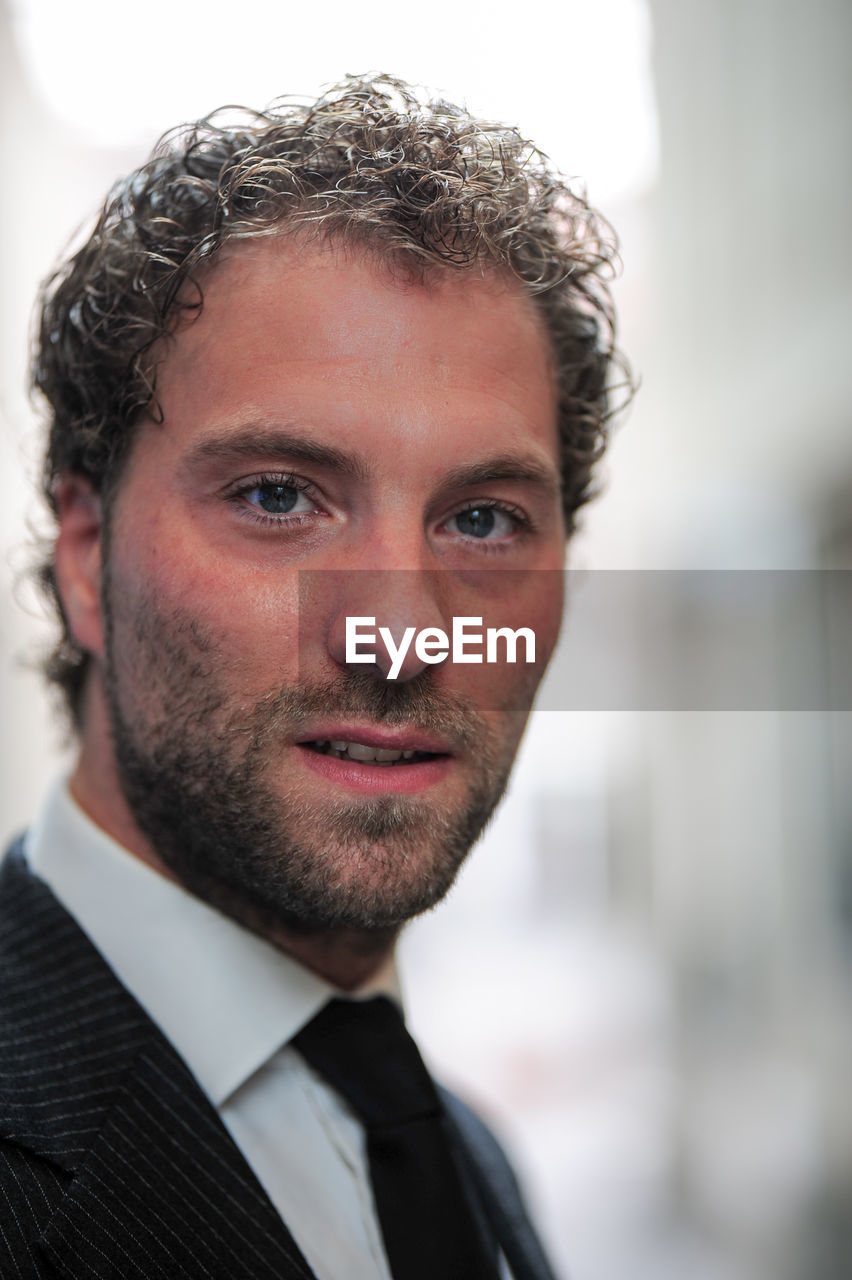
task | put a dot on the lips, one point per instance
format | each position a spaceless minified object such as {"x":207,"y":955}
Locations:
{"x":373,"y":744}
{"x":365,"y":754}
{"x":376,"y":759}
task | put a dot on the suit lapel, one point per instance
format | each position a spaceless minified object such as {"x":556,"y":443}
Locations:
{"x":155,"y":1185}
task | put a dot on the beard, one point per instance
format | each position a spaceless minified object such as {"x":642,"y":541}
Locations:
{"x":201,"y":770}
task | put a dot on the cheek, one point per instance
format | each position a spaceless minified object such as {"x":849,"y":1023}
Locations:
{"x":546,"y":612}
{"x":508,"y":688}
{"x":536,"y":602}
{"x":253,"y":627}
{"x":242,"y":625}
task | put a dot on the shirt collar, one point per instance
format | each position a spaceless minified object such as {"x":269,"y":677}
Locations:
{"x":225,"y":999}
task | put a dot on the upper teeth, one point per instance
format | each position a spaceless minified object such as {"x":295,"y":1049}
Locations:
{"x":359,"y":751}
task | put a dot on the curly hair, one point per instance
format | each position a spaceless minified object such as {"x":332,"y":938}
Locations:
{"x":370,"y":161}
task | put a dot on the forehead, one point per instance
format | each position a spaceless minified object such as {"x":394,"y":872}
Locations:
{"x":285,"y":323}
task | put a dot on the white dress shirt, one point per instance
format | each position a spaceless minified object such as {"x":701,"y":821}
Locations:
{"x":228,"y":1002}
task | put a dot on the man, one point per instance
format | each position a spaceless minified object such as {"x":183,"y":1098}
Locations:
{"x":325,"y":373}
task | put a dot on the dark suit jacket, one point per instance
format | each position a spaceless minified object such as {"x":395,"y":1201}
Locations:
{"x":113,"y":1163}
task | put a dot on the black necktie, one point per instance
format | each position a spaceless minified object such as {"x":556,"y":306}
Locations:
{"x":363,"y":1049}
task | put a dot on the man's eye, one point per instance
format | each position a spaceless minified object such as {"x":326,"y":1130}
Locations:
{"x":484,"y":522}
{"x":276,"y":499}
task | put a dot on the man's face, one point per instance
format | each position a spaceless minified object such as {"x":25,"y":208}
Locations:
{"x":334,"y":443}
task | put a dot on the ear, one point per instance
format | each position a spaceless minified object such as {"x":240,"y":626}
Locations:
{"x":77,"y":561}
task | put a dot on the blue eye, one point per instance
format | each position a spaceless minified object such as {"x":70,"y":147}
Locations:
{"x":477,"y":522}
{"x":274,"y":499}
{"x":485,"y":522}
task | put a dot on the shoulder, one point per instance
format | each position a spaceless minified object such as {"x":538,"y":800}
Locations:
{"x":480,"y":1141}
{"x":32,"y":1184}
{"x":497,"y":1185}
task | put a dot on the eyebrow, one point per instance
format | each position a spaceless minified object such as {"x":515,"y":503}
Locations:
{"x":518,"y":467}
{"x":248,"y":442}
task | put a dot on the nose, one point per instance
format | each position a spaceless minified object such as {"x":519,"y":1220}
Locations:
{"x":394,"y":606}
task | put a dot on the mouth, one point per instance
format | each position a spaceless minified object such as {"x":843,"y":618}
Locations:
{"x":363,"y":753}
{"x":376,"y":760}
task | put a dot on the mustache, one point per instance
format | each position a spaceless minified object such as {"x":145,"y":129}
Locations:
{"x":359,"y":695}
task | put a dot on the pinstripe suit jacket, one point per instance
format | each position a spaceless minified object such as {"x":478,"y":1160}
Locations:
{"x":113,"y":1163}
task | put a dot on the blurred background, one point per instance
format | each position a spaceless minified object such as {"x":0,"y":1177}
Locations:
{"x":643,"y":978}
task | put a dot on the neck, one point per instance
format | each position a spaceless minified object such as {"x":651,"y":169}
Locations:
{"x":346,"y":958}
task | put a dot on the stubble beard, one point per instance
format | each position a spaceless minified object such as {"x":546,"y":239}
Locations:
{"x":196,"y":767}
